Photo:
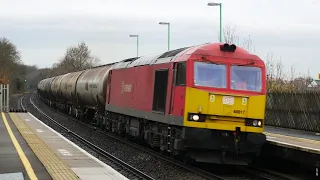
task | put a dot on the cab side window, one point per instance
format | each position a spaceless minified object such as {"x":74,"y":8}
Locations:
{"x":181,"y":74}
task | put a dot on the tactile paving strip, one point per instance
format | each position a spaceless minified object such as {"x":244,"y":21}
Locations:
{"x":54,"y":165}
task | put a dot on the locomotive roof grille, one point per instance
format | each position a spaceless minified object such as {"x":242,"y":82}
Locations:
{"x":130,"y":59}
{"x":125,"y":60}
{"x":172,"y":53}
{"x":164,"y":55}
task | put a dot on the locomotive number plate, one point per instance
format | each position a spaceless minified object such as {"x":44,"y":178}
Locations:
{"x":228,"y":100}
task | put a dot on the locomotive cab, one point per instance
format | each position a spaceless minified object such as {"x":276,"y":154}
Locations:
{"x":225,"y":104}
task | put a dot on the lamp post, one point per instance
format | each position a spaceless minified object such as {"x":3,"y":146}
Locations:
{"x":218,"y":4}
{"x":137,"y":36}
{"x":166,"y":23}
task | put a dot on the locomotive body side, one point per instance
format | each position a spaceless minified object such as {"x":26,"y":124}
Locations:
{"x":143,"y":92}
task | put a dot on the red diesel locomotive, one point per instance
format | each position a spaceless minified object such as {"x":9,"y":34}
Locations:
{"x":205,"y":103}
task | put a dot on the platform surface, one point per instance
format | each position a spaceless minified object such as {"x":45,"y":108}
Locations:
{"x":13,"y":164}
{"x":295,"y":139}
{"x":62,"y":158}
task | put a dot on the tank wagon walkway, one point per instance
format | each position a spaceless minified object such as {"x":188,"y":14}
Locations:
{"x":29,"y":149}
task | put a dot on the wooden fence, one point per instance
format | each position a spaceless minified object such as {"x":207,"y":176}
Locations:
{"x":295,"y":110}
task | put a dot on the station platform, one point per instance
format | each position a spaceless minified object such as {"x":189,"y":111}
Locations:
{"x":299,"y":140}
{"x":29,"y":149}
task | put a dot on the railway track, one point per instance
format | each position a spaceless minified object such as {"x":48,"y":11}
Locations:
{"x":120,"y":165}
{"x":243,"y":172}
{"x":263,"y":174}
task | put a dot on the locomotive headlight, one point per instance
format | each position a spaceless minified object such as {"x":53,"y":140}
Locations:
{"x":256,"y":123}
{"x":259,"y":123}
{"x":195,"y":117}
{"x":253,"y":122}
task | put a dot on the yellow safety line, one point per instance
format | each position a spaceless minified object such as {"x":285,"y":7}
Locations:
{"x":55,"y":166}
{"x":22,"y":156}
{"x":294,"y":138}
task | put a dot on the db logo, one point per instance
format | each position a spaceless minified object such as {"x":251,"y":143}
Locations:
{"x":126,"y":87}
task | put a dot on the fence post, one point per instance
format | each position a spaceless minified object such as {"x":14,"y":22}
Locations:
{"x":4,"y":97}
{"x":8,"y":92}
{"x":1,"y":94}
{"x":8,"y":95}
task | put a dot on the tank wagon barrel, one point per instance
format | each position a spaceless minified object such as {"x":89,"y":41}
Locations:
{"x":91,"y":89}
{"x":47,"y":88}
{"x":68,"y":86}
{"x":56,"y":87}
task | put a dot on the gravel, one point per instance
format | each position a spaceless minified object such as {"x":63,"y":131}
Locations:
{"x":149,"y":164}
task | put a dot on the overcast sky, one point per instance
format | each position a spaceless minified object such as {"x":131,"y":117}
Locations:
{"x":42,"y":30}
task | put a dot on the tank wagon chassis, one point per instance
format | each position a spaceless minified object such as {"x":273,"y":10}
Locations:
{"x":157,"y":115}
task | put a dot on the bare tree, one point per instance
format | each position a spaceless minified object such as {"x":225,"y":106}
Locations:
{"x":292,"y":73}
{"x":247,"y":45}
{"x":270,"y":65}
{"x":230,"y":34}
{"x":309,"y":79}
{"x":9,"y":59}
{"x":76,"y":59}
{"x":279,"y":69}
{"x":276,"y":80}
